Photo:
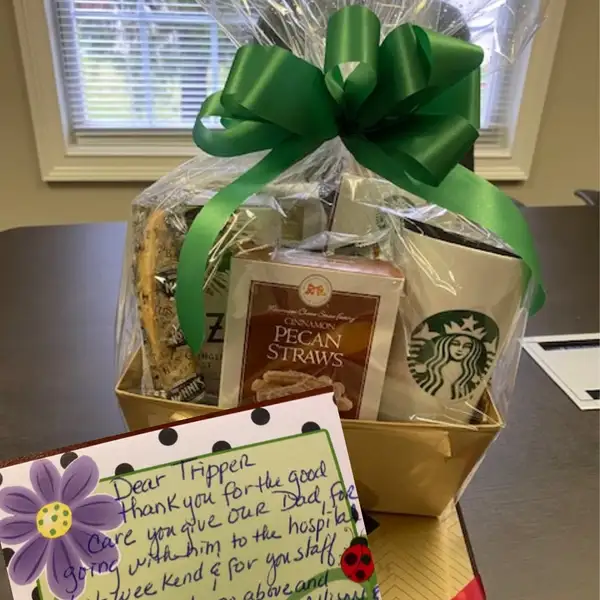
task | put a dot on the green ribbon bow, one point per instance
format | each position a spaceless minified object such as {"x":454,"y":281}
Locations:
{"x":409,"y":111}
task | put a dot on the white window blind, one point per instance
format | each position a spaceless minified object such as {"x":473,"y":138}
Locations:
{"x":138,"y":64}
{"x":146,"y":66}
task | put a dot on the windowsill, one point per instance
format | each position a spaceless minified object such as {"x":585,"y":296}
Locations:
{"x":130,"y":164}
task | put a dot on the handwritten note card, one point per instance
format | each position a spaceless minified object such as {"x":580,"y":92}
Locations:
{"x":251,"y":505}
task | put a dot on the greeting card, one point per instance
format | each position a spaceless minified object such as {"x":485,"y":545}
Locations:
{"x":246,"y":505}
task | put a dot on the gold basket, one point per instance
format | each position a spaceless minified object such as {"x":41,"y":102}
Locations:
{"x":411,"y":468}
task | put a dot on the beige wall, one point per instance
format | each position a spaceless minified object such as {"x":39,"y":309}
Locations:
{"x":566,"y":157}
{"x":24,"y":198}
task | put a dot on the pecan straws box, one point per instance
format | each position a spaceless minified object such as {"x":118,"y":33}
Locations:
{"x":298,"y":321}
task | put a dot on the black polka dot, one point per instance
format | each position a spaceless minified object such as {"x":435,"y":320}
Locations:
{"x":123,"y":469}
{"x":365,"y":559}
{"x":0,"y":478}
{"x":35,"y":594}
{"x":354,"y":513}
{"x":7,"y":553}
{"x":221,"y":445}
{"x":360,"y":575}
{"x":167,"y":437}
{"x":260,"y":416}
{"x":310,"y":426}
{"x":67,"y":458}
{"x":350,"y":558}
{"x":370,"y":523}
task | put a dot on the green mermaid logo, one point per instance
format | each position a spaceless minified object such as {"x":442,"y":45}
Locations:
{"x":451,"y":352}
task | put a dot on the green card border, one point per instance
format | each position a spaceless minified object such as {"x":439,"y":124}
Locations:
{"x":369,"y":585}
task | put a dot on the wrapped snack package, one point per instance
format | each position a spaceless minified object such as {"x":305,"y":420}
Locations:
{"x":160,"y":222}
{"x":323,"y":240}
{"x":299,"y":320}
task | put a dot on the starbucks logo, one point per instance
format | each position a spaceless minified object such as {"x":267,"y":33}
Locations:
{"x":451,"y":352}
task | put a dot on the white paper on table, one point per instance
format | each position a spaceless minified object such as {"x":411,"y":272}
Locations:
{"x":572,"y":362}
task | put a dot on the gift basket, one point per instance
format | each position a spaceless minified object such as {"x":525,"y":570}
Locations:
{"x":328,"y":237}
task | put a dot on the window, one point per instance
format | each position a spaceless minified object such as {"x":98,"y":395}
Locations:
{"x":148,"y":65}
{"x":115,"y":86}
{"x":138,"y":65}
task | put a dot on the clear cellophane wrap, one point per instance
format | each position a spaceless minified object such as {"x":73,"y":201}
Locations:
{"x":453,"y":346}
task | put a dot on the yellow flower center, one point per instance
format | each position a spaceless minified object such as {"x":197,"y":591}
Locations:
{"x":54,"y":520}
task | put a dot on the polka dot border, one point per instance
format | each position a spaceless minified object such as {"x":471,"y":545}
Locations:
{"x":67,"y":458}
{"x":123,"y":469}
{"x":354,"y":512}
{"x":260,"y":416}
{"x":7,"y":553}
{"x":371,"y":524}
{"x":35,"y":594}
{"x":0,"y":478}
{"x":310,"y":426}
{"x":221,"y":446}
{"x":168,"y":436}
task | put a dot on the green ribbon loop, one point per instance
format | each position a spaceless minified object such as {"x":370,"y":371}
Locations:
{"x":353,"y":47}
{"x":407,"y":109}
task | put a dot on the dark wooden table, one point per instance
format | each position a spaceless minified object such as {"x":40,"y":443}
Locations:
{"x":532,"y":510}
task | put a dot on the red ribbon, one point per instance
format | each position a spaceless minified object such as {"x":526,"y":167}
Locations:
{"x":473,"y":591}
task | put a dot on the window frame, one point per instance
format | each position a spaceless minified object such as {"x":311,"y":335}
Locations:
{"x":145,"y":157}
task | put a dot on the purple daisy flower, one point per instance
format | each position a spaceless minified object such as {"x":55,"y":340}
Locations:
{"x":59,"y":525}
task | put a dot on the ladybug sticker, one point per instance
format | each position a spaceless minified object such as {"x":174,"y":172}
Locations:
{"x":357,"y":561}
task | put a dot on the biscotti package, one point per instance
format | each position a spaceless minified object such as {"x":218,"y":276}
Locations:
{"x":298,"y":320}
{"x":175,"y":372}
{"x":171,"y":363}
{"x":280,"y":213}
